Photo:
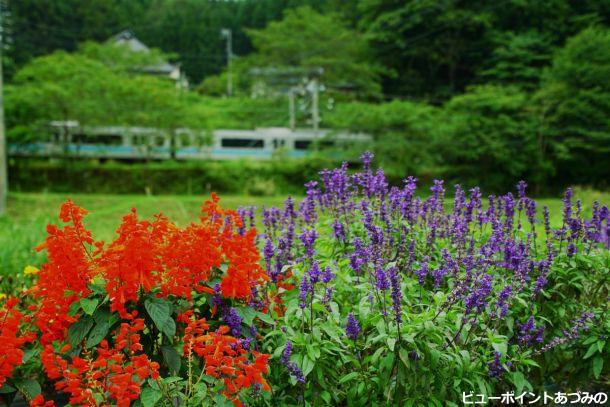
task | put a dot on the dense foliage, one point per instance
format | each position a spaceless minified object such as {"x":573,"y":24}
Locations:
{"x":412,"y":301}
{"x":363,"y":294}
{"x":517,"y":87}
{"x":254,"y":178}
{"x":155,"y":315}
{"x":428,"y":48}
{"x":494,"y":134}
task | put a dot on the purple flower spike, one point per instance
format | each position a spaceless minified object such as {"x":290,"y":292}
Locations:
{"x":352,"y":329}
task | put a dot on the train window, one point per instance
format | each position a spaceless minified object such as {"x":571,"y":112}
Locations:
{"x":277,"y":143}
{"x":138,"y":140}
{"x":201,"y":140}
{"x":185,"y":140}
{"x":242,"y":142}
{"x":159,"y":141}
{"x":107,"y":139}
{"x":302,"y":144}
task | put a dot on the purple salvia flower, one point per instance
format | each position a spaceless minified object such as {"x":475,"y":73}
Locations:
{"x":314,"y":273}
{"x":291,"y":366}
{"x":308,"y":238}
{"x":339,"y":230}
{"x":352,"y":328}
{"x":233,"y":320}
{"x":521,"y":187}
{"x":268,"y":251}
{"x":367,"y":158}
{"x":422,"y":272}
{"x":304,"y":291}
{"x":496,"y":369}
{"x":327,"y":275}
{"x":477,"y":301}
{"x":529,"y":333}
{"x":381,"y":279}
{"x":502,"y":302}
{"x":396,"y":293}
{"x":578,"y":325}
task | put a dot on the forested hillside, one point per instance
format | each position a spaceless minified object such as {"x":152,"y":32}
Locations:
{"x":447,"y":88}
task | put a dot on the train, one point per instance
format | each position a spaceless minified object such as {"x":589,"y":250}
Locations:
{"x":70,"y":139}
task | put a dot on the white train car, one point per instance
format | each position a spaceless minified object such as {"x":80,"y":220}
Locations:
{"x":142,"y":143}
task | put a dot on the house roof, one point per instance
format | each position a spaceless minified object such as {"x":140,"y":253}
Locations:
{"x":129,"y":38}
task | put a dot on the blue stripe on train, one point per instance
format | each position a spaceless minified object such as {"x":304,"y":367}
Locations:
{"x":135,"y":151}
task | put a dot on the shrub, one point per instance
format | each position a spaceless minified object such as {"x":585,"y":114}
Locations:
{"x":411,"y":301}
{"x":162,"y":314}
{"x":365,"y":295}
{"x":195,"y":177}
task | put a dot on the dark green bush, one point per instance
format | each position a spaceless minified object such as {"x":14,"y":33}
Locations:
{"x":283,"y":176}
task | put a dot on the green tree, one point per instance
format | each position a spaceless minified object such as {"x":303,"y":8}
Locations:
{"x":406,"y":135}
{"x":39,"y":27}
{"x":518,"y":59}
{"x":575,"y":105}
{"x":308,"y":40}
{"x":63,"y":86}
{"x":437,"y":48}
{"x":431,"y":48}
{"x":490,"y":139}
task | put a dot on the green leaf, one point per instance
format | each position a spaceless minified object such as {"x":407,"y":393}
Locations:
{"x":150,"y":397}
{"x":598,"y":364}
{"x":348,"y":377}
{"x":89,"y":305}
{"x":592,"y":350}
{"x":74,"y":308}
{"x":307,"y":365}
{"x":500,"y":347}
{"x":169,"y":329}
{"x":99,"y":332}
{"x":79,"y":330}
{"x":30,"y":388}
{"x":391,"y":342}
{"x":6,"y":389}
{"x":519,"y":381}
{"x":201,"y":390}
{"x":29,"y":354}
{"x":265,"y":318}
{"x":172,"y":358}
{"x":98,"y":289}
{"x":172,"y":379}
{"x":404,"y":356}
{"x":159,"y":311}
{"x":600,"y":346}
{"x":247,"y":314}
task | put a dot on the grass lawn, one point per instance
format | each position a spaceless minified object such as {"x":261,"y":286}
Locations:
{"x":24,"y":226}
{"x":28,"y":214}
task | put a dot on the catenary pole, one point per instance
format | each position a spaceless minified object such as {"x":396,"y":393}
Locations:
{"x":3,"y":167}
{"x":228,"y":34}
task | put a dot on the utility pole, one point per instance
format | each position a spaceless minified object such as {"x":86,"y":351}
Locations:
{"x":291,"y":108}
{"x":315,"y":111}
{"x":228,"y":34}
{"x":3,"y":170}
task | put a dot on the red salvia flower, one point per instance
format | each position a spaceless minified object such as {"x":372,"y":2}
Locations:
{"x":147,"y":258}
{"x":64,"y":278}
{"x":11,"y":339}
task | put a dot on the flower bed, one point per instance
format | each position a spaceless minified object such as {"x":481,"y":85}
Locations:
{"x":109,"y":324}
{"x":363,"y":294}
